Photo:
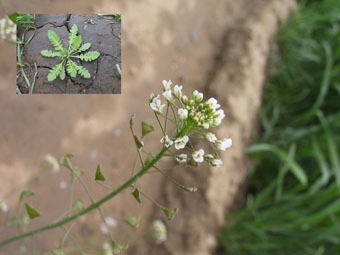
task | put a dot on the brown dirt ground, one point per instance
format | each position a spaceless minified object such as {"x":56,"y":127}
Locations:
{"x":218,"y":47}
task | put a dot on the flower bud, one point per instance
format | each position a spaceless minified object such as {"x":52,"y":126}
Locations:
{"x":185,"y":99}
{"x":197,"y":96}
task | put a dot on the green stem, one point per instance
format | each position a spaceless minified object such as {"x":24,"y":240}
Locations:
{"x":95,"y":205}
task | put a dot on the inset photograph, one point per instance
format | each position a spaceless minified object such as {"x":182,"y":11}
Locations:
{"x":69,"y":54}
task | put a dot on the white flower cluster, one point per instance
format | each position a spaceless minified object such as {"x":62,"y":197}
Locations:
{"x":200,"y":115}
{"x":8,"y":30}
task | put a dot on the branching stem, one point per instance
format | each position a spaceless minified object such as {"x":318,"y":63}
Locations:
{"x":97,"y":204}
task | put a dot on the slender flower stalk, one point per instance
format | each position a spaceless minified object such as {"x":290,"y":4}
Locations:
{"x":192,"y":119}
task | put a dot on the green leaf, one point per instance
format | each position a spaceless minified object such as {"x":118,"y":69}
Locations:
{"x":84,"y":47}
{"x":71,"y":68}
{"x":32,"y":213}
{"x":50,"y":54}
{"x":76,"y":43}
{"x":99,"y":175}
{"x":62,"y":74}
{"x":13,"y":17}
{"x":146,"y":129}
{"x":83,"y":72}
{"x":170,"y":213}
{"x":89,"y":56}
{"x":55,"y":72}
{"x":292,"y":164}
{"x":133,"y":221}
{"x":117,"y":248}
{"x":136,"y":194}
{"x":72,"y":35}
{"x":25,"y":194}
{"x":55,"y":40}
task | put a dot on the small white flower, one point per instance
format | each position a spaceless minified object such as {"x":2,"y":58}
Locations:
{"x":218,"y":117}
{"x":224,"y":144}
{"x":182,"y":113}
{"x":166,"y":141}
{"x":210,"y":137}
{"x":178,"y":91}
{"x":152,"y":95}
{"x":167,"y":85}
{"x":159,"y":231}
{"x":111,"y":222}
{"x":212,"y":102}
{"x":156,"y":104}
{"x":181,"y":142}
{"x":168,"y":95}
{"x":182,"y":158}
{"x":216,"y":162}
{"x":197,"y":96}
{"x":198,"y":155}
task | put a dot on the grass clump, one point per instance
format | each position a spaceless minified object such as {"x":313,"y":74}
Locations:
{"x":293,"y":202}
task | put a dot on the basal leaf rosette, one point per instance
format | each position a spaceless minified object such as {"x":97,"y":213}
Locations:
{"x":75,"y":51}
{"x":195,"y":116}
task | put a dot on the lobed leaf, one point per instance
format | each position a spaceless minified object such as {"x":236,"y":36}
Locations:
{"x":71,"y":68}
{"x":84,"y":47}
{"x":62,"y":74}
{"x":55,"y":72}
{"x":55,"y":40}
{"x":72,"y":35}
{"x":50,"y":54}
{"x":89,"y":56}
{"x":76,"y":43}
{"x":83,"y":72}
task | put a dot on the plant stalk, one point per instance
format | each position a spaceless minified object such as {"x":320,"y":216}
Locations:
{"x":95,"y":205}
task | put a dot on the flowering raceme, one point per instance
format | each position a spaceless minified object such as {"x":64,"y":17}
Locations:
{"x":195,"y":117}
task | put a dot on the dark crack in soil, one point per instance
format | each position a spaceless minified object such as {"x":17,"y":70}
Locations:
{"x":102,"y":31}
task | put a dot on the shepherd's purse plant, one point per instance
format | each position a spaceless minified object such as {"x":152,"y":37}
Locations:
{"x":182,"y":119}
{"x":75,"y":50}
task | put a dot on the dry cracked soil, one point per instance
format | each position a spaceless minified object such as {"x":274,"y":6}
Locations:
{"x":104,"y":34}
